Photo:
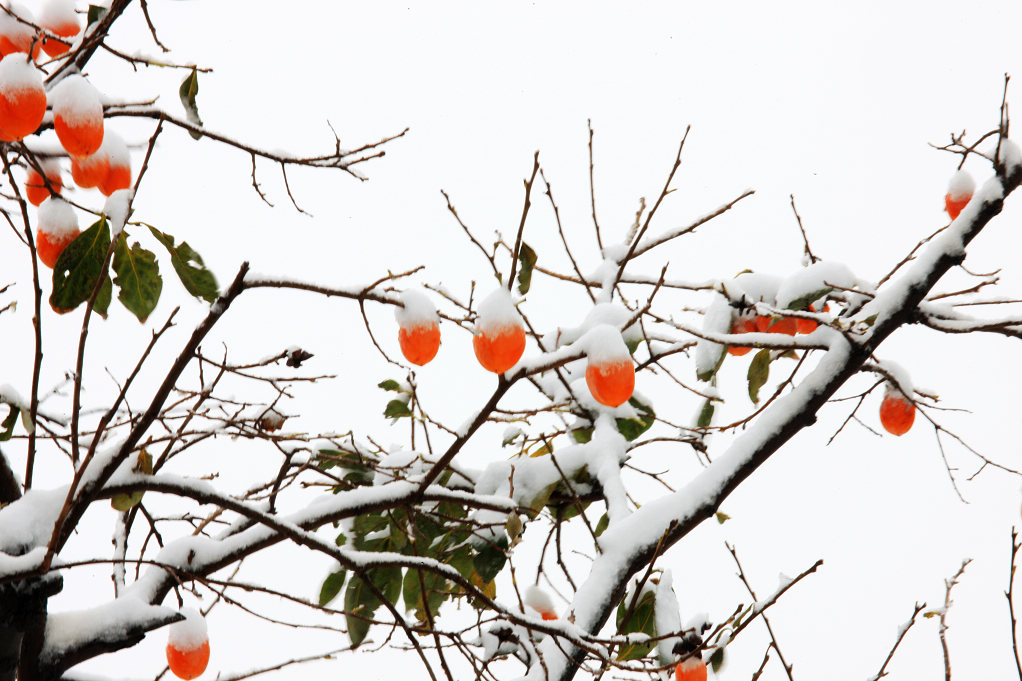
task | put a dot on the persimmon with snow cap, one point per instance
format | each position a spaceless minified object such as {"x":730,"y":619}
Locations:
{"x":16,"y":32}
{"x":77,"y":116}
{"x":188,"y":645}
{"x":540,"y":601}
{"x":36,"y":190}
{"x":499,"y":341}
{"x":897,"y":413}
{"x":118,"y":174}
{"x":57,"y":226}
{"x":58,"y":17}
{"x":22,"y":97}
{"x":610,"y":373}
{"x":419,"y":328}
{"x":960,"y":189}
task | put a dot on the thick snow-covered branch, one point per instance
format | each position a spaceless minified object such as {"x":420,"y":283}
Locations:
{"x":633,"y":541}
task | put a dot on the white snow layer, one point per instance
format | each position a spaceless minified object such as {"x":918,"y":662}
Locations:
{"x":417,"y":310}
{"x":18,"y":73}
{"x":497,"y":312}
{"x":819,"y":276}
{"x":539,"y":600}
{"x":116,"y":208}
{"x":961,"y":185}
{"x":75,"y":100}
{"x":603,"y":345}
{"x":189,"y":633}
{"x":717,"y":319}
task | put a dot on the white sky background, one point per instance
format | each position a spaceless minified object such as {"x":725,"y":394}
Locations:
{"x":834,"y":104}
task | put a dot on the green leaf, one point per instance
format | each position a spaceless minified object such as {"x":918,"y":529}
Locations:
{"x":436,"y":593}
{"x":582,"y":435}
{"x":634,"y":427}
{"x":8,"y":423}
{"x":722,"y":517}
{"x":190,"y":269}
{"x":138,"y":278}
{"x":332,"y":586}
{"x":96,"y":14}
{"x":602,"y":525}
{"x":78,"y":269}
{"x":360,"y":603}
{"x":489,"y":561}
{"x":705,"y":414}
{"x":870,"y":320}
{"x":396,"y":409}
{"x":642,"y":620}
{"x":526,"y":261}
{"x":189,"y":88}
{"x":717,"y":660}
{"x":803,"y":301}
{"x":390,"y":384}
{"x":759,"y":372}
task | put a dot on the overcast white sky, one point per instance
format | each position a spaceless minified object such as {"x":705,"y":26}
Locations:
{"x":832,"y":102}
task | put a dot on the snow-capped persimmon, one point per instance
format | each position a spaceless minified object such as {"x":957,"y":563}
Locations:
{"x":16,"y":32}
{"x":897,"y":413}
{"x":959,"y":192}
{"x":692,"y":669}
{"x":419,"y":332}
{"x":118,"y":174}
{"x":22,"y":98}
{"x":540,"y":601}
{"x":742,"y":325}
{"x":58,"y":17}
{"x":57,"y":226}
{"x":610,"y":373}
{"x":77,"y":116}
{"x":36,"y":190}
{"x":188,"y":646}
{"x":499,"y":341}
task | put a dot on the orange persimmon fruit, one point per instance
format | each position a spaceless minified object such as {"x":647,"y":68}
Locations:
{"x":692,"y":669}
{"x":419,"y":344}
{"x":419,"y":332}
{"x":959,"y":192}
{"x":896,"y":413}
{"x":499,"y":341}
{"x":22,"y":98}
{"x":499,"y":349}
{"x":188,"y":645}
{"x":57,"y":226}
{"x":77,"y":116}
{"x":743,"y":325}
{"x":189,"y":663}
{"x":58,"y":17}
{"x":36,"y":190}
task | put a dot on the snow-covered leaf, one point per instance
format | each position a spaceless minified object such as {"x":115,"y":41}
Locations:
{"x":188,"y":90}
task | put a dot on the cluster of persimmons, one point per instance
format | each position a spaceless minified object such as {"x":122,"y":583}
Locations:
{"x":98,"y":156}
